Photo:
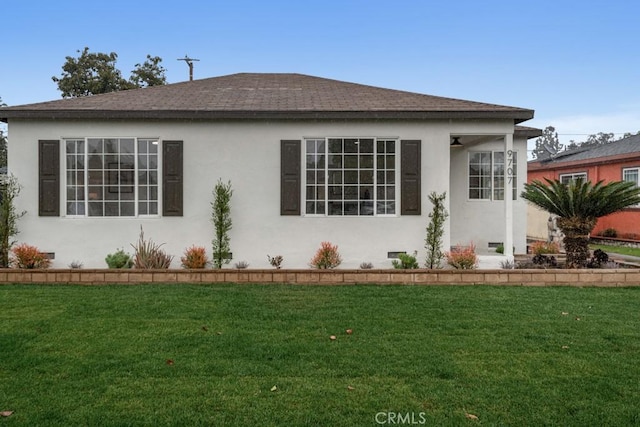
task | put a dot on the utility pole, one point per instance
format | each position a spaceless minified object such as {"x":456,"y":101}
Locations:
{"x":189,"y":62}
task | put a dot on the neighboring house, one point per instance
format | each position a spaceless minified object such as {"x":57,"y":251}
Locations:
{"x":309,"y":159}
{"x":616,"y":161}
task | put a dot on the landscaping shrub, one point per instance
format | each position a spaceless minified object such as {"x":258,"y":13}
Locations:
{"x":241,"y":265}
{"x":221,"y":218}
{"x":463,"y":257}
{"x":326,"y":257}
{"x":599,"y":259}
{"x":609,"y":232}
{"x":119,"y":259}
{"x":149,"y":254}
{"x":9,"y":191}
{"x":406,"y":261}
{"x":435,"y":230}
{"x":194,"y":257}
{"x":545,"y":261}
{"x":27,"y":256}
{"x":541,"y":248}
{"x":366,"y":266}
{"x":276,"y":261}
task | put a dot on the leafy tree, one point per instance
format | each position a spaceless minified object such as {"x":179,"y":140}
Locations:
{"x":95,"y":73}
{"x":578,"y":206}
{"x":601,"y":138}
{"x":149,"y":73}
{"x":435,"y":230}
{"x":221,"y":218}
{"x":547,"y":144}
{"x":628,"y":134}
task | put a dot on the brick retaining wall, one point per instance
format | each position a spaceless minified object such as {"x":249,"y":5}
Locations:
{"x":610,"y":278}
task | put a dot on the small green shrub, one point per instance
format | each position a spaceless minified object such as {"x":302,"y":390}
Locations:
{"x":500,"y":249}
{"x":406,"y":261}
{"x":119,"y":259}
{"x":366,"y":266}
{"x":609,"y":232}
{"x":326,"y":257}
{"x":27,"y":256}
{"x":463,"y":257}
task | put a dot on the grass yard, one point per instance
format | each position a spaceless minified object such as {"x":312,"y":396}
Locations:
{"x":624,"y":250}
{"x":246,"y":355}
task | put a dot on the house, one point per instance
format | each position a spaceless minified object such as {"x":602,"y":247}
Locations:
{"x":616,"y":161}
{"x":309,"y":160}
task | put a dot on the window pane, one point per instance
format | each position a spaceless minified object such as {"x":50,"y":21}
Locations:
{"x":335,"y":161}
{"x":94,"y":145}
{"x":96,"y":209}
{"x":366,"y":177}
{"x":350,"y":177}
{"x":366,"y":208}
{"x":110,"y":145}
{"x":335,"y":208}
{"x":335,"y":145}
{"x":127,"y":209}
{"x":366,"y":162}
{"x":351,"y":162}
{"x":350,"y":145}
{"x":366,"y":145}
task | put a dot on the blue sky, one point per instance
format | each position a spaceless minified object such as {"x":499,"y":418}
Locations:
{"x":575,"y":63}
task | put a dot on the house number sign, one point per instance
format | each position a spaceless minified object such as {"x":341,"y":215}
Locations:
{"x":510,"y":166}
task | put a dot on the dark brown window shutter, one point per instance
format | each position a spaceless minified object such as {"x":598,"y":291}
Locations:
{"x":172,"y":178}
{"x":49,"y":178}
{"x":290,"y":177}
{"x":410,"y":201}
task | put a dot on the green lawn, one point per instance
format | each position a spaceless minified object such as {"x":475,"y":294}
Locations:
{"x":624,"y":250}
{"x":248,"y":355}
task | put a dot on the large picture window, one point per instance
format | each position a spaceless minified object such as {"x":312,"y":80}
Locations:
{"x":488,"y":171}
{"x":107,"y":177}
{"x":350,"y":176}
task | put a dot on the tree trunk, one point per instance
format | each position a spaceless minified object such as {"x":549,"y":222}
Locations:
{"x":576,"y":239}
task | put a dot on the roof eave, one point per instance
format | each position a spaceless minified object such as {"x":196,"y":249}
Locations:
{"x":517,"y":116}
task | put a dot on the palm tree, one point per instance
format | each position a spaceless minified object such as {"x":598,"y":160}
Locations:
{"x":578,"y":206}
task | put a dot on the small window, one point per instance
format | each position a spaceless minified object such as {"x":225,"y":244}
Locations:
{"x":566,"y":178}
{"x":632,"y":175}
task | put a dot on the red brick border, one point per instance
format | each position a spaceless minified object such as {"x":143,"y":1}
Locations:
{"x":605,"y":278}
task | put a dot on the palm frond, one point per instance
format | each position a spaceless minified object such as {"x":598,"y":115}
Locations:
{"x":581,"y":199}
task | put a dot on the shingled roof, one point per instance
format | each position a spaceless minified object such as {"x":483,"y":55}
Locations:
{"x":264,"y":96}
{"x":616,"y":149}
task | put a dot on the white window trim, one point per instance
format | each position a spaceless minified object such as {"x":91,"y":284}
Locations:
{"x":63,"y":171}
{"x":326,"y":181}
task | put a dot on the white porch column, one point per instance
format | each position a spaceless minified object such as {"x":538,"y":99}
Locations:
{"x":508,"y":196}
